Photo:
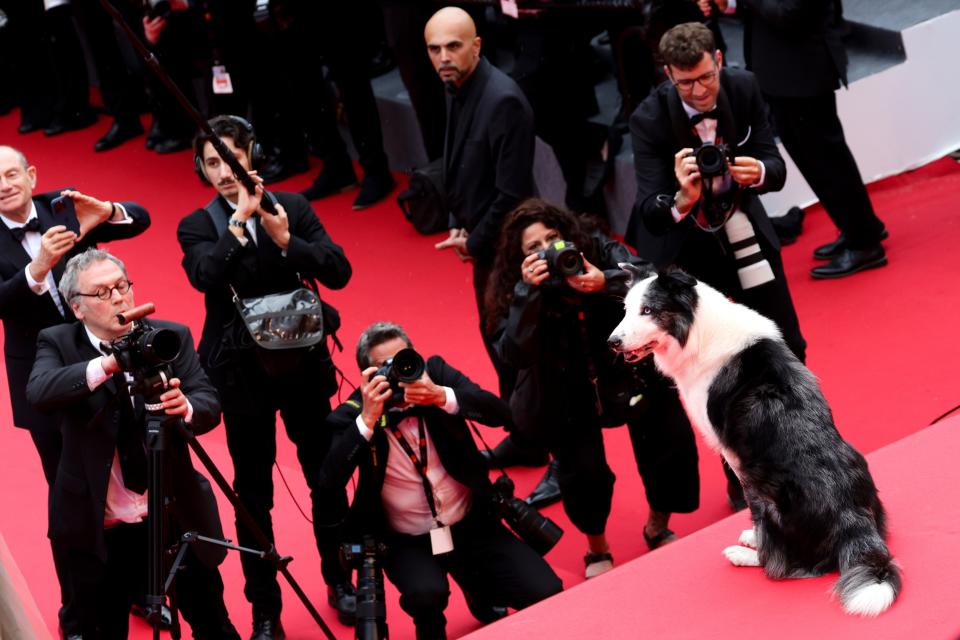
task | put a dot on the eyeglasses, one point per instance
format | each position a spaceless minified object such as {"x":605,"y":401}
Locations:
{"x":706,"y":80}
{"x":105,"y":293}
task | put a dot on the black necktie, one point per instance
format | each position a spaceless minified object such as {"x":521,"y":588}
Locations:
{"x":130,"y":450}
{"x":33,"y":224}
{"x":713,"y":114}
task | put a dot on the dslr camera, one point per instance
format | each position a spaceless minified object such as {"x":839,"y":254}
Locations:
{"x":406,"y":366}
{"x":712,"y":159}
{"x":537,"y":530}
{"x":146,"y":352}
{"x":563,"y":258}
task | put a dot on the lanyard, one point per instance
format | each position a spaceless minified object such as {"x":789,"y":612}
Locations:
{"x":419,"y":463}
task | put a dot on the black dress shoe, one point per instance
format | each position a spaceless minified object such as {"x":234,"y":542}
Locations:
{"x":833,"y":249}
{"x":375,"y":187}
{"x":154,"y":135}
{"x":343,"y":598}
{"x":70,"y":122}
{"x":171,"y":145}
{"x":483,"y":611}
{"x":280,"y":168}
{"x":268,"y":629}
{"x":850,"y":261}
{"x":118,"y":133}
{"x":511,"y":454}
{"x":30,"y":127}
{"x":334,"y":178}
{"x":789,"y":226}
{"x":166,"y":616}
{"x":547,"y":490}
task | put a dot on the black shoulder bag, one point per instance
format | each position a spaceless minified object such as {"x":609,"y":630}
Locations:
{"x":424,"y":202}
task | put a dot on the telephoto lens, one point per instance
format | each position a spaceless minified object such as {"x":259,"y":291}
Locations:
{"x":537,"y":530}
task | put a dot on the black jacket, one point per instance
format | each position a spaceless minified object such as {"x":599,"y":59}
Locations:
{"x":489,"y":169}
{"x":744,"y":123}
{"x":795,"y":47}
{"x":450,"y":434}
{"x":214,"y":262}
{"x":90,"y":422}
{"x":543,"y":338}
{"x":25,"y":314}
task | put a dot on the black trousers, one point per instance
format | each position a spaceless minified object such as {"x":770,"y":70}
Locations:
{"x":665,"y":450}
{"x":49,"y":445}
{"x":813,"y":136}
{"x":105,"y":590}
{"x":487,"y":560}
{"x":250,"y":408}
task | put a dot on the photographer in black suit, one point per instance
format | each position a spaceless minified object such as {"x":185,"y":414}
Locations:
{"x":675,"y":218}
{"x":98,"y":507}
{"x":424,"y":488}
{"x":35,"y":244}
{"x":702,"y":104}
{"x":230,"y":245}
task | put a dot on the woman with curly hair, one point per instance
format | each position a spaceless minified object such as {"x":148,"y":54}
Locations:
{"x":553,"y":329}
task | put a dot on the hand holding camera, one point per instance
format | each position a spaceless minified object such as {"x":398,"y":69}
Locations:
{"x":687,"y":172}
{"x":746,"y":170}
{"x":401,"y":379}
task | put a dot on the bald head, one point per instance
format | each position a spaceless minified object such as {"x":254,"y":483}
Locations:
{"x":17,"y":180}
{"x":452,"y":44}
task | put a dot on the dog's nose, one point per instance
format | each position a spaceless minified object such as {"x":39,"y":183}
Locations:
{"x":614,"y":342}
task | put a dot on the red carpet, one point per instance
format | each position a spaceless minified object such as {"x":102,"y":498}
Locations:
{"x":882,"y":343}
{"x":689,"y":590}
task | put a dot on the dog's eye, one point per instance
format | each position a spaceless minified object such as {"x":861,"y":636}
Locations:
{"x":646,"y":311}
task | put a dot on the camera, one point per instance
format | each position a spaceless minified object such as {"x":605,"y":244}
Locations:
{"x":537,"y":530}
{"x":712,"y":159}
{"x":563,"y":258}
{"x":371,"y":605}
{"x":406,"y":366}
{"x":157,"y":8}
{"x":146,"y":352}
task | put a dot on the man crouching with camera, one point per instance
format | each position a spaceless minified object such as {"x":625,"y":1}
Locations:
{"x":98,"y":507}
{"x":424,"y":489}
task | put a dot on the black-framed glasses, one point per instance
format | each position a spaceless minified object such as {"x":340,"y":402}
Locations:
{"x":706,"y":80}
{"x":104,"y":293}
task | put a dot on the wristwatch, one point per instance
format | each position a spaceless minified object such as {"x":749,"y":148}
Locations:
{"x":239,"y":224}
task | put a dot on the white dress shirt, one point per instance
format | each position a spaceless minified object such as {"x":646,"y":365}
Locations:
{"x":403,"y":497}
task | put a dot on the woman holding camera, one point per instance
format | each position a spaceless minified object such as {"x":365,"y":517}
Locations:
{"x":553,"y":328}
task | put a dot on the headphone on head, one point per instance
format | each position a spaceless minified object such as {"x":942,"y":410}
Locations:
{"x":254,"y":149}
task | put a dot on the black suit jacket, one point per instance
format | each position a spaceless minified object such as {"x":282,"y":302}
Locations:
{"x":90,"y":420}
{"x":215,"y":262}
{"x":744,"y":123}
{"x":795,"y":47}
{"x":25,"y":314}
{"x":450,"y":434}
{"x":489,"y":167}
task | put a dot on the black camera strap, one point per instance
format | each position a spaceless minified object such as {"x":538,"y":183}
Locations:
{"x":419,"y":463}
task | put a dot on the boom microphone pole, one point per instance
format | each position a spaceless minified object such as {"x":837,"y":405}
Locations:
{"x":269,"y":201}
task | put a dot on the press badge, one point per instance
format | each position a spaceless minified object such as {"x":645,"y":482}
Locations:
{"x":441,"y":540}
{"x":221,"y":80}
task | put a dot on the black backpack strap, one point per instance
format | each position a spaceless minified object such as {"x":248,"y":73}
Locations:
{"x":219,"y":213}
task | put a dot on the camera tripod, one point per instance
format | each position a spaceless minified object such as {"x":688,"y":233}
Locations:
{"x":151,"y":384}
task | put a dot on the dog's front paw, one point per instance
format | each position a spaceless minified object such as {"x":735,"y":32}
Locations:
{"x":742,"y":556}
{"x":748,"y":538}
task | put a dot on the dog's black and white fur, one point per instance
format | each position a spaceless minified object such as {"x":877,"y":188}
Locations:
{"x":813,"y":503}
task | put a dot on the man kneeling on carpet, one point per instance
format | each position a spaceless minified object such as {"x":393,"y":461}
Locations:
{"x":98,"y":506}
{"x":423,"y":487}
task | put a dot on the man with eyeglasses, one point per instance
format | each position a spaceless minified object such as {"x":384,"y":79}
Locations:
{"x":701,"y":102}
{"x":35,"y":243}
{"x":98,"y":507}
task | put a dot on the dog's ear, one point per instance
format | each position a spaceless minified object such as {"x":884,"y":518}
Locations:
{"x":676,"y":280}
{"x":636,"y":272}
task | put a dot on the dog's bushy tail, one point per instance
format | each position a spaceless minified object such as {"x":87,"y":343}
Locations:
{"x":869,"y":578}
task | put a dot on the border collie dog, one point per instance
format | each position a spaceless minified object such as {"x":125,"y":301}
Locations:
{"x":812,"y":501}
